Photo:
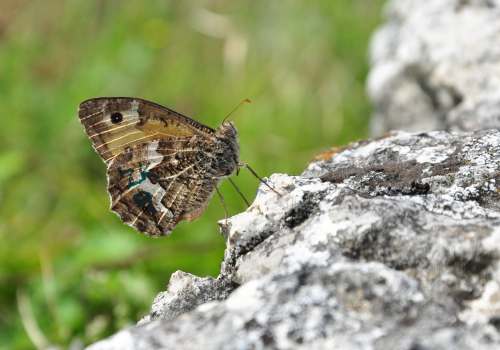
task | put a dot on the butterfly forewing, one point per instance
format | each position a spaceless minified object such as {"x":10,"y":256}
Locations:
{"x":115,"y":123}
{"x":162,"y":166}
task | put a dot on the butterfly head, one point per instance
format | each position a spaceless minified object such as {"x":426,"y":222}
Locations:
{"x":229,"y":149}
{"x":227,"y":130}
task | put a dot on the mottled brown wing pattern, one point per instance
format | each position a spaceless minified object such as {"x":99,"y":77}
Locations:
{"x":155,"y":185}
{"x":163,"y":167}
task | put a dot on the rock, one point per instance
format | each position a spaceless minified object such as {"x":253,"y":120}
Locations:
{"x":436,"y":65}
{"x":392,"y":243}
{"x":186,"y":291}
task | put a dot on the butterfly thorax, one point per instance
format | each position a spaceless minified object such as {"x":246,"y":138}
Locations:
{"x":227,"y":150}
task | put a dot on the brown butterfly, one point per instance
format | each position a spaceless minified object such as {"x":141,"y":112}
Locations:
{"x":162,"y":166}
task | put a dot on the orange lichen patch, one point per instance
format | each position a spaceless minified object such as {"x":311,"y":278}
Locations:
{"x":385,"y":135}
{"x":327,"y":155}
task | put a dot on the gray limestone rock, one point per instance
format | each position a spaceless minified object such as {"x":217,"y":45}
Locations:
{"x":436,"y":65}
{"x":392,"y":243}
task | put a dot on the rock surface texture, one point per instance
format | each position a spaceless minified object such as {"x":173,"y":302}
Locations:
{"x":391,"y":243}
{"x":386,"y":244}
{"x":436,"y":65}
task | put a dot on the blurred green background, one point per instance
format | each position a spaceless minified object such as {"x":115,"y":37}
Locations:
{"x":70,"y":271}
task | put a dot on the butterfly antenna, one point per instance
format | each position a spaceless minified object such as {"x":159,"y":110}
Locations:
{"x":260,"y":179}
{"x":246,"y":100}
{"x":239,"y":192}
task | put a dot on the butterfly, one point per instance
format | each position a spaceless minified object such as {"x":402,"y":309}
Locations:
{"x":162,"y":166}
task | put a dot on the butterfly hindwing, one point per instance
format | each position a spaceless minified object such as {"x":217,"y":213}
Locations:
{"x":155,"y":185}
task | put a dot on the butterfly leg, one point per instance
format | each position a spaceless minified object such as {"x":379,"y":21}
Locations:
{"x":239,"y":192}
{"x":258,"y":177}
{"x":223,"y":205}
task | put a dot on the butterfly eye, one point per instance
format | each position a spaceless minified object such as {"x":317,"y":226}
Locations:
{"x":116,"y":117}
